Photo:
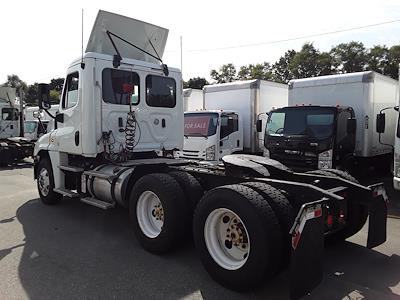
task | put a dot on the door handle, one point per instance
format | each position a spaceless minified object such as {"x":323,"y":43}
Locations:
{"x":163,"y":123}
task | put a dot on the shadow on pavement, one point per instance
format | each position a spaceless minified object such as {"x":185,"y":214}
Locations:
{"x":73,"y":250}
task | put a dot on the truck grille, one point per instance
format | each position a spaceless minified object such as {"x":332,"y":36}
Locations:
{"x":192,"y":154}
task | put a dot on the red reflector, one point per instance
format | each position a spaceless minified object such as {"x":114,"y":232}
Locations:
{"x":295,"y":240}
{"x":318,"y":213}
{"x":329,"y":220}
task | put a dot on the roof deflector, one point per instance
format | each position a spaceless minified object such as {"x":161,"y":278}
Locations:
{"x":141,"y":34}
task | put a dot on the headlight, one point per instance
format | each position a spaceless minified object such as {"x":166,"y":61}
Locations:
{"x":210,"y":153}
{"x":325,"y":159}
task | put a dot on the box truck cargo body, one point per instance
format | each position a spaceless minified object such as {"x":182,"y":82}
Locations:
{"x":245,"y":104}
{"x":192,"y":99}
{"x":364,"y":94}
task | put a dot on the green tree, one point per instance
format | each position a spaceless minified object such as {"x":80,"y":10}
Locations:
{"x":31,"y":95}
{"x":57,"y":84}
{"x":195,"y":83}
{"x":280,"y":69}
{"x":258,"y":71}
{"x":378,"y":59}
{"x":15,"y":82}
{"x":227,"y":73}
{"x":54,"y":97}
{"x":392,"y":68}
{"x":349,"y":57}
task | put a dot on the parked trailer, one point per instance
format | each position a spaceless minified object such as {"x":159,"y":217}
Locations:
{"x":12,"y":146}
{"x":231,"y":121}
{"x":330,"y":122}
{"x":103,"y":152}
{"x":192,"y":99}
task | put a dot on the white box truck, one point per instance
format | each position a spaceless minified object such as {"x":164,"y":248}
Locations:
{"x":38,"y":122}
{"x":331,"y":122}
{"x":192,"y":99}
{"x":12,"y":146}
{"x":231,"y":121}
{"x":121,"y":104}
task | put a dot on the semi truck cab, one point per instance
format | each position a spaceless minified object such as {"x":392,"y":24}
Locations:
{"x":311,"y":137}
{"x":210,"y":135}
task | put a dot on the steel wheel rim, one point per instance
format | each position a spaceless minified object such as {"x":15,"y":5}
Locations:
{"x":150,"y":214}
{"x":227,"y":239}
{"x":44,"y":182}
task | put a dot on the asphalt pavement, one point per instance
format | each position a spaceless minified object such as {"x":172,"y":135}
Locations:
{"x":76,"y":251}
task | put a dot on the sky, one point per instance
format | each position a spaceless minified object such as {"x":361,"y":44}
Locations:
{"x":40,"y":38}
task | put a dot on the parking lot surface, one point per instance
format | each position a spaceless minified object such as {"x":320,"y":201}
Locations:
{"x":76,"y":251}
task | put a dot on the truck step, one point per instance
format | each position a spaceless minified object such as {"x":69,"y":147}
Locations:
{"x":71,"y":169}
{"x":66,"y":192}
{"x":100,"y":175}
{"x":98,"y":203}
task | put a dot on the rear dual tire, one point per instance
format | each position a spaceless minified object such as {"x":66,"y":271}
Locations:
{"x":237,"y":236}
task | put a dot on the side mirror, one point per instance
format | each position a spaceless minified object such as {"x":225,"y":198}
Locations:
{"x":351,"y":126}
{"x":259,"y":125}
{"x":44,"y":96}
{"x":380,"y":123}
{"x":60,"y":117}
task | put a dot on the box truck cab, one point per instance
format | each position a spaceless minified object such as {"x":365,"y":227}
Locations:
{"x":246,"y":103}
{"x":311,"y":137}
{"x":38,"y":122}
{"x":210,"y":135}
{"x":325,"y":106}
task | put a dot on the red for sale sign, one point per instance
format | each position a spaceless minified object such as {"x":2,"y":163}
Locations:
{"x":196,"y":125}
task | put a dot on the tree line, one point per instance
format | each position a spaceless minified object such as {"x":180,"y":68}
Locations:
{"x":29,"y":92}
{"x":308,"y":62}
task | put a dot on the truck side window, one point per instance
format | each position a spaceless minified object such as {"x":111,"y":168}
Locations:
{"x":160,"y":91}
{"x":225,"y":130}
{"x":9,"y":114}
{"x":70,"y":97}
{"x":116,"y":85}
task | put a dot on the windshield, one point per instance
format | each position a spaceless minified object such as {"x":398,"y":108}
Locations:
{"x":30,"y":126}
{"x":312,"y":122}
{"x":201,"y":124}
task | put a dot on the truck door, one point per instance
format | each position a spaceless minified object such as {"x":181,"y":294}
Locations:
{"x":150,"y":97}
{"x":68,"y":135}
{"x":229,"y":134}
{"x":9,"y":125}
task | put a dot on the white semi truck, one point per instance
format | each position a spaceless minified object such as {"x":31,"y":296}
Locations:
{"x":331,"y":122}
{"x":12,"y":146}
{"x":192,"y":99}
{"x":231,"y":119}
{"x":121,"y":105}
{"x":37,"y":122}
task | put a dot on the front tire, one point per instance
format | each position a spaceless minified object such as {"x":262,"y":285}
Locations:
{"x":45,"y":183}
{"x":237,"y":236}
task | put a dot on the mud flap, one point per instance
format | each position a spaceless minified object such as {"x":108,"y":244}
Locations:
{"x":306,"y":270}
{"x":377,"y":216}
